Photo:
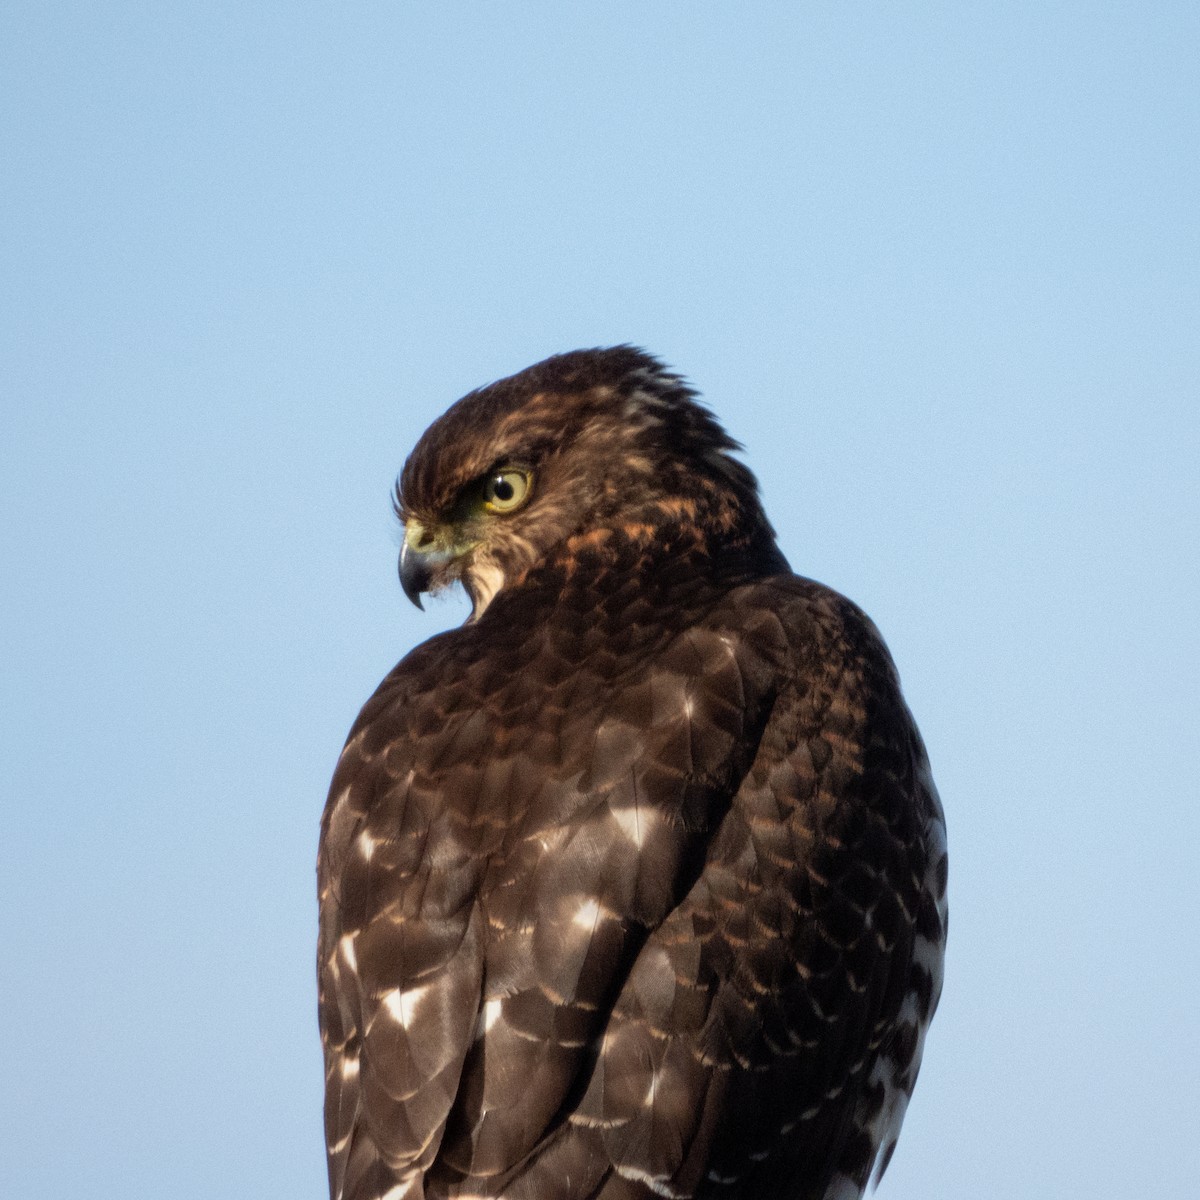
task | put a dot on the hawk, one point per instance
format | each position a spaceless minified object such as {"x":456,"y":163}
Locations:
{"x":634,"y":885}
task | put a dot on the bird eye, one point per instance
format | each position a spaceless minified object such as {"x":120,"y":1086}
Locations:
{"x":505,"y":491}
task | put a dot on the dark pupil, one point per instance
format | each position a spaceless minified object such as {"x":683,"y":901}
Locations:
{"x":502,"y":489}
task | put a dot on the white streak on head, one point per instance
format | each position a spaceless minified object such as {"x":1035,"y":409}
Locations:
{"x":402,"y":1006}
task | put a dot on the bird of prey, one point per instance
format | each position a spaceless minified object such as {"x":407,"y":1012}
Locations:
{"x":634,"y":885}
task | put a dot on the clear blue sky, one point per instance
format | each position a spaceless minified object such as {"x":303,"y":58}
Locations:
{"x":936,"y":265}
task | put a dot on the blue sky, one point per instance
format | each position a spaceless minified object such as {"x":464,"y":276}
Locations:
{"x":937,"y":266}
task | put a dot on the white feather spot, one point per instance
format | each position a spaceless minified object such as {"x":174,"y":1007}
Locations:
{"x":656,"y":1183}
{"x":589,"y":914}
{"x":635,"y":822}
{"x":716,"y":1177}
{"x":843,"y":1188}
{"x":409,"y":1188}
{"x":366,"y":845}
{"x":402,"y":1006}
{"x":350,"y":1067}
{"x":490,"y":1014}
{"x":347,"y":945}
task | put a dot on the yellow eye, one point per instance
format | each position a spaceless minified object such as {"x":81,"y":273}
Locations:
{"x":505,"y":491}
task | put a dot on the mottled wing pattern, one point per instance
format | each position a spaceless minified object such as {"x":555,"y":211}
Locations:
{"x":646,"y":899}
{"x":400,"y":961}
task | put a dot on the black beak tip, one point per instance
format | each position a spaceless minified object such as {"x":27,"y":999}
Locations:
{"x":414,"y":575}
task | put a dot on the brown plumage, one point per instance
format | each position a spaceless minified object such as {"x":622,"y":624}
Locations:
{"x":634,"y":885}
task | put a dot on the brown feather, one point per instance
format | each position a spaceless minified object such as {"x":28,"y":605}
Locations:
{"x":635,"y":884}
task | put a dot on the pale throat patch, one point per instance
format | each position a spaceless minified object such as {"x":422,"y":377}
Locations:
{"x":485,"y":580}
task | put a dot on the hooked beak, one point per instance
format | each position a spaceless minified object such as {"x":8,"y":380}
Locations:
{"x":418,"y":566}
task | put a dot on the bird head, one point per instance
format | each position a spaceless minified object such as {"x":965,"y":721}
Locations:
{"x":584,"y":449}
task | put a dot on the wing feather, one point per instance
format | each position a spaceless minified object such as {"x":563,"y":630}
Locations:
{"x":659,"y":943}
